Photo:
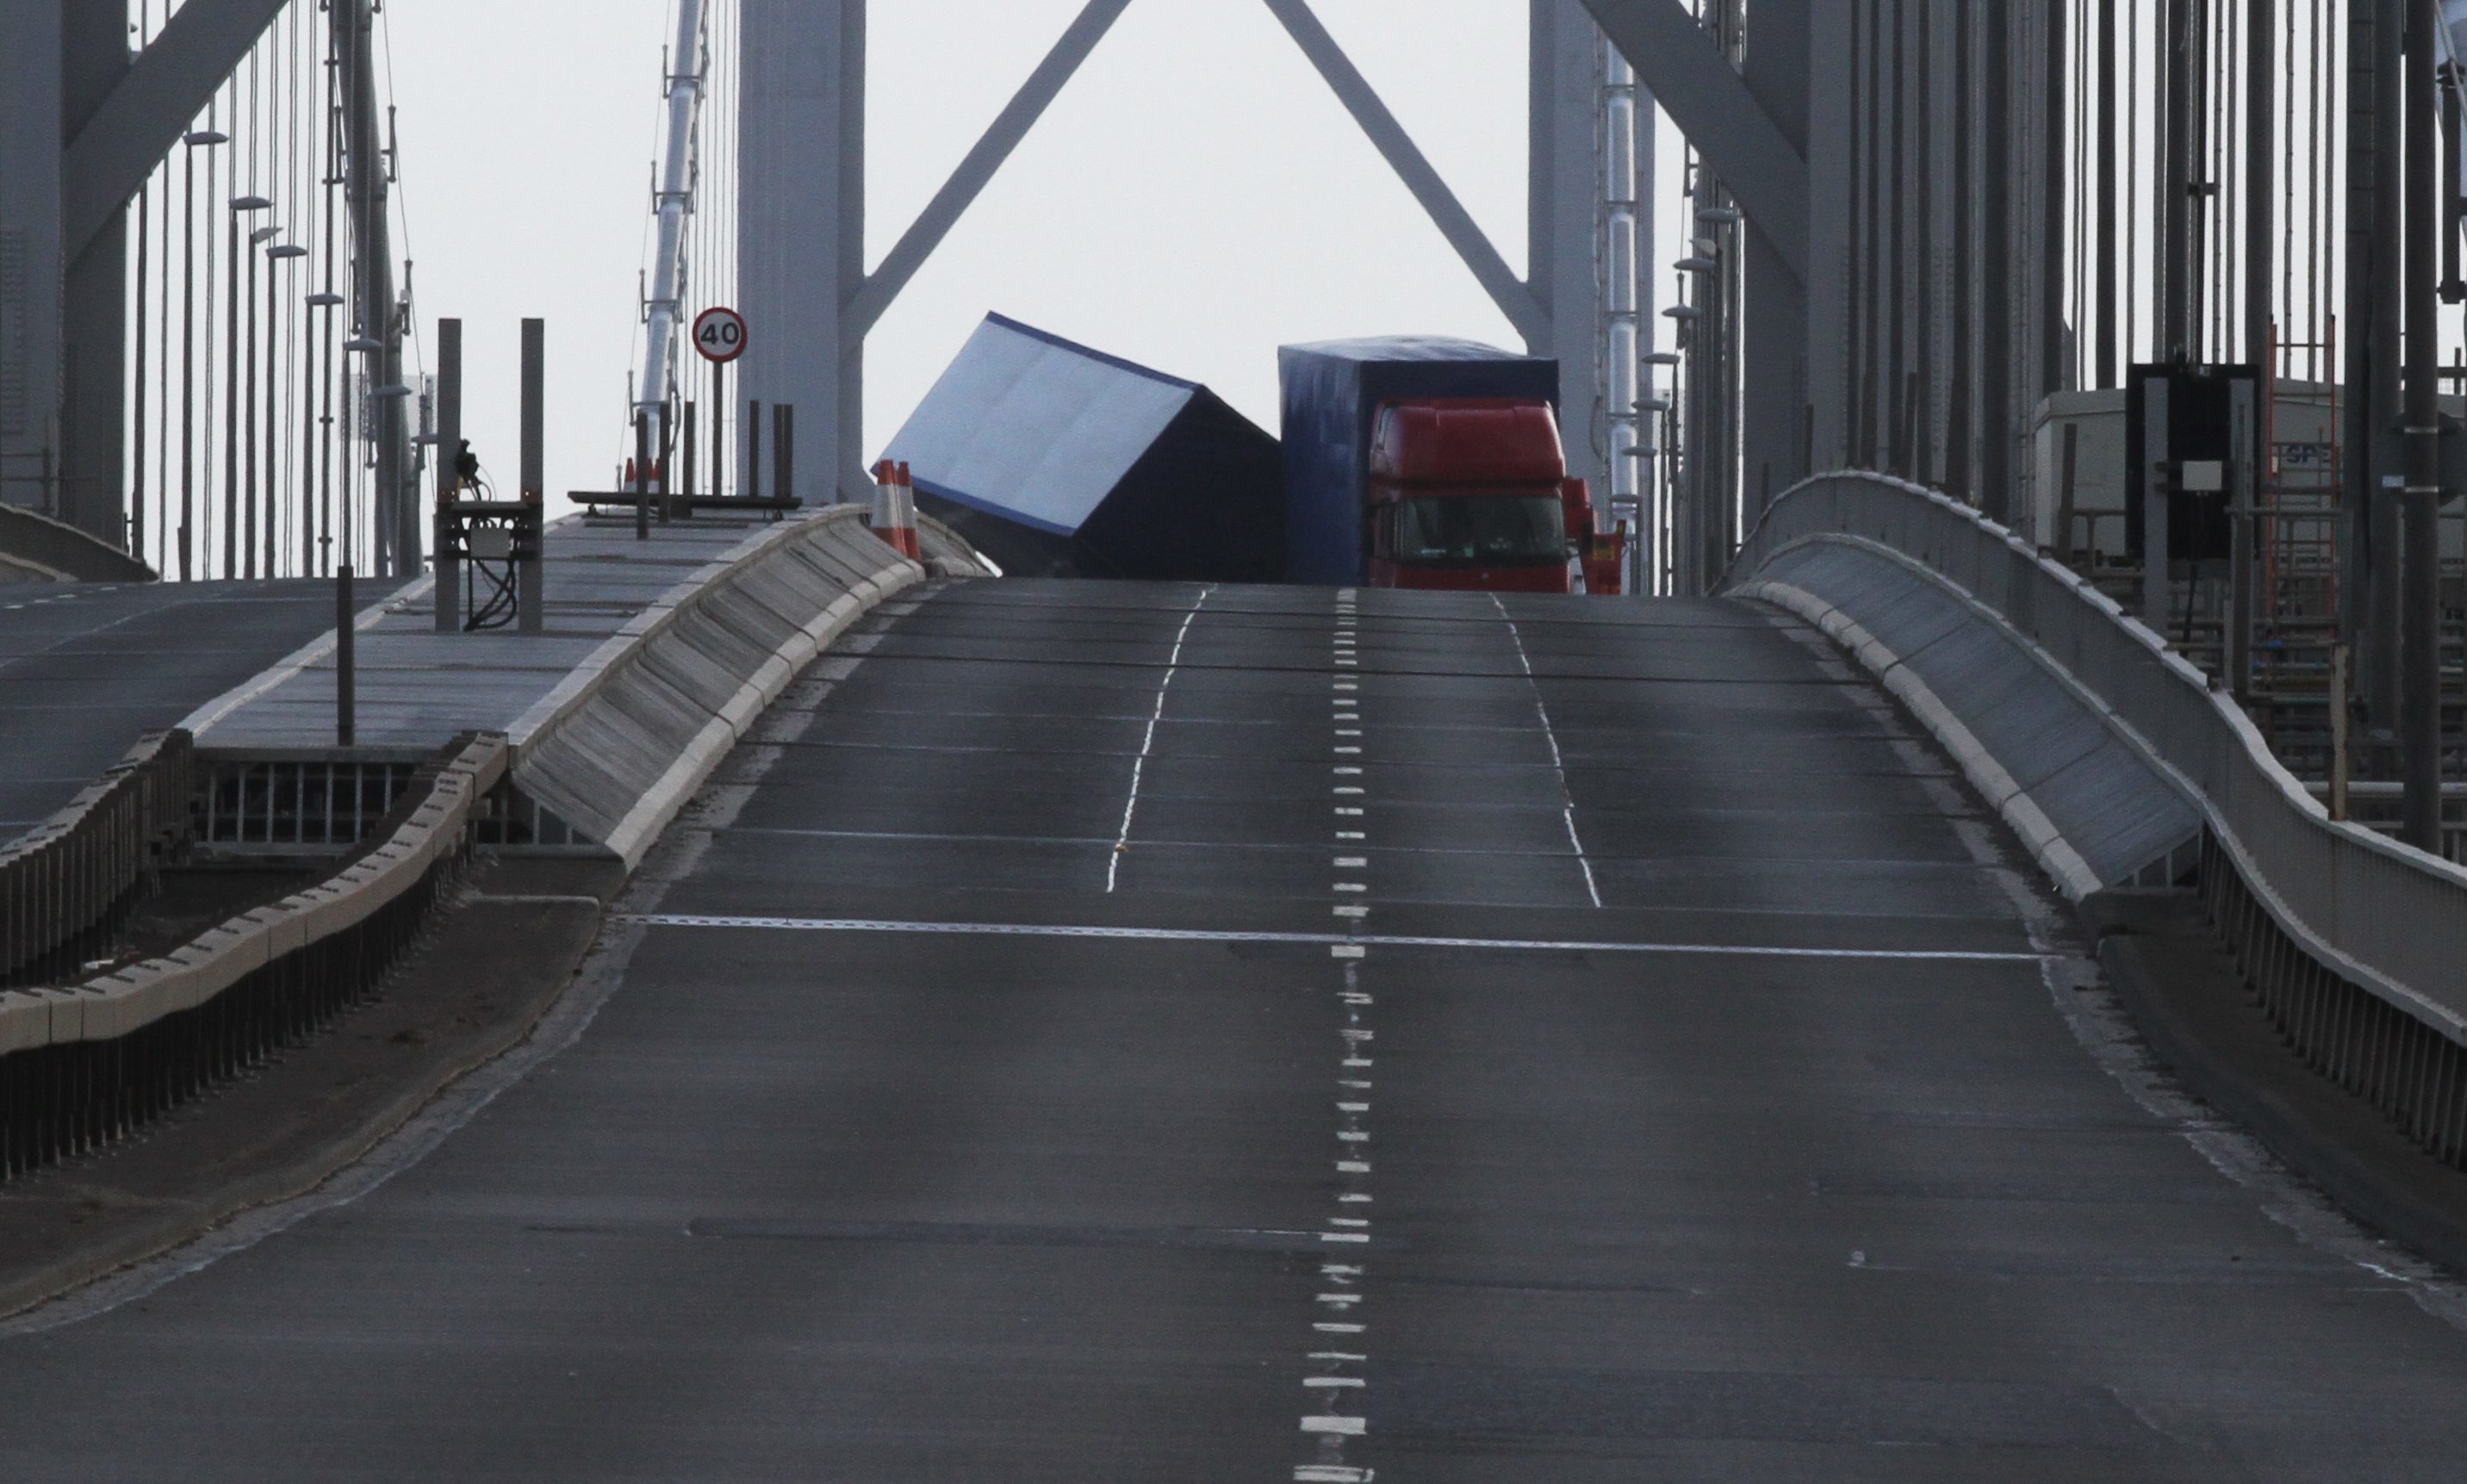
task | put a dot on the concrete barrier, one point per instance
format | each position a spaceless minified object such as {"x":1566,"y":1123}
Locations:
{"x":38,"y":549}
{"x":616,"y":748}
{"x":2103,"y":746}
{"x":82,"y":1063}
{"x":66,"y":880}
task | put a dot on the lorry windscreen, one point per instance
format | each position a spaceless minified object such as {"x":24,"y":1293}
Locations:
{"x":1481,"y":531}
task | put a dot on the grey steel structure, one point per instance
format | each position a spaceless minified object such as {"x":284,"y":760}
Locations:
{"x":802,"y":182}
{"x":84,"y":123}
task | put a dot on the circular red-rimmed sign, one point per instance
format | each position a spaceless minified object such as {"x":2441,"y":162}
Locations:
{"x":719,"y":335}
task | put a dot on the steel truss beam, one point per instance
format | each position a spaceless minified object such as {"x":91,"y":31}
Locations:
{"x":148,"y":108}
{"x":882,"y":288}
{"x":1713,"y":106}
{"x":1455,"y":223}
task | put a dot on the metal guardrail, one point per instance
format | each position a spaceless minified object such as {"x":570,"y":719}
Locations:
{"x":2387,"y":925}
{"x":86,"y":1063}
{"x":65,"y":883}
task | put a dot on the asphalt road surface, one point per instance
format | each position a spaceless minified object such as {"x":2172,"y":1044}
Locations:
{"x":87,"y":668}
{"x":1147,"y":1033}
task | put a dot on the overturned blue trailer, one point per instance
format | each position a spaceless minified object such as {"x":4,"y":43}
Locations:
{"x":1056,"y":460}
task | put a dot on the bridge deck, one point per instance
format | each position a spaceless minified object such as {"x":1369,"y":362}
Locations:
{"x":926,"y":1132}
{"x":85,"y":668}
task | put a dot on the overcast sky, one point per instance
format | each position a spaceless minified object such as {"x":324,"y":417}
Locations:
{"x":1194,"y":200}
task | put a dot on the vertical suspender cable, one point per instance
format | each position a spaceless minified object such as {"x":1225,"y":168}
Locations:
{"x":1898,"y":455}
{"x":137,"y":376}
{"x":2052,"y":200}
{"x":213,"y":332}
{"x":329,"y":177}
{"x":2105,"y":191}
{"x":1996,"y":259}
{"x":189,"y":363}
{"x":2260,"y":311}
{"x":1961,"y":442}
{"x":1922,"y":457}
{"x":163,"y":385}
{"x":231,"y":368}
{"x":1857,"y":230}
{"x":248,"y":402}
{"x":2129,"y":204}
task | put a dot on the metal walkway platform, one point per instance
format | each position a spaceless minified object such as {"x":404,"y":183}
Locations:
{"x":417,"y":687}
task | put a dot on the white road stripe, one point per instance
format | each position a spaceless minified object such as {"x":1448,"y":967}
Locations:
{"x":1567,"y":796}
{"x":706,"y":920}
{"x":1147,"y":744}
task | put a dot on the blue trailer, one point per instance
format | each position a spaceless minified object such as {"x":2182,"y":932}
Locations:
{"x":1332,"y":392}
{"x":1056,"y":460}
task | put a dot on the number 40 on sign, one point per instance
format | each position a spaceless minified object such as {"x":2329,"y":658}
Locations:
{"x":719,"y":335}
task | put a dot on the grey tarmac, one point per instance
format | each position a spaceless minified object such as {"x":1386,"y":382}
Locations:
{"x":1245,"y":1187}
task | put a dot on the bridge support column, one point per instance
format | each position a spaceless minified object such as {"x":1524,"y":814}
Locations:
{"x":1828,"y":121}
{"x":801,"y":226}
{"x":61,"y":311}
{"x":1774,"y":330}
{"x":1563,"y":211}
{"x":29,"y":250}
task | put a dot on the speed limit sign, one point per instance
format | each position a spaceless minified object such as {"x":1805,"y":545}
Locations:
{"x":719,"y":334}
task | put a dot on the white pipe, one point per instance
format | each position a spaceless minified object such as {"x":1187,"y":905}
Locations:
{"x":674,"y":202}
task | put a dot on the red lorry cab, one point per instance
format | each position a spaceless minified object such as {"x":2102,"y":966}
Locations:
{"x":1473,"y":494}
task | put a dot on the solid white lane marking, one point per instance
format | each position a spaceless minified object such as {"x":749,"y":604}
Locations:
{"x":708,"y":920}
{"x":1567,"y":796}
{"x":1147,"y":744}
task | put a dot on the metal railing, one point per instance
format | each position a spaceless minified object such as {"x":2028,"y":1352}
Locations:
{"x":65,"y":883}
{"x":329,"y":804}
{"x":2387,"y":921}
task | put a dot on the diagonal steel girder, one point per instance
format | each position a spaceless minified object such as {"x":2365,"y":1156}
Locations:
{"x":1710,"y":101}
{"x":1507,"y":290}
{"x":977,"y":169}
{"x":149,"y":107}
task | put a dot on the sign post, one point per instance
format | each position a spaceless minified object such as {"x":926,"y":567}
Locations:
{"x":719,"y":338}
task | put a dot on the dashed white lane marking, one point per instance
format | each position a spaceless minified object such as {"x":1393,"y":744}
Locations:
{"x":1333,"y":1379}
{"x":1567,"y":796}
{"x":710,"y":920}
{"x":1147,"y":744}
